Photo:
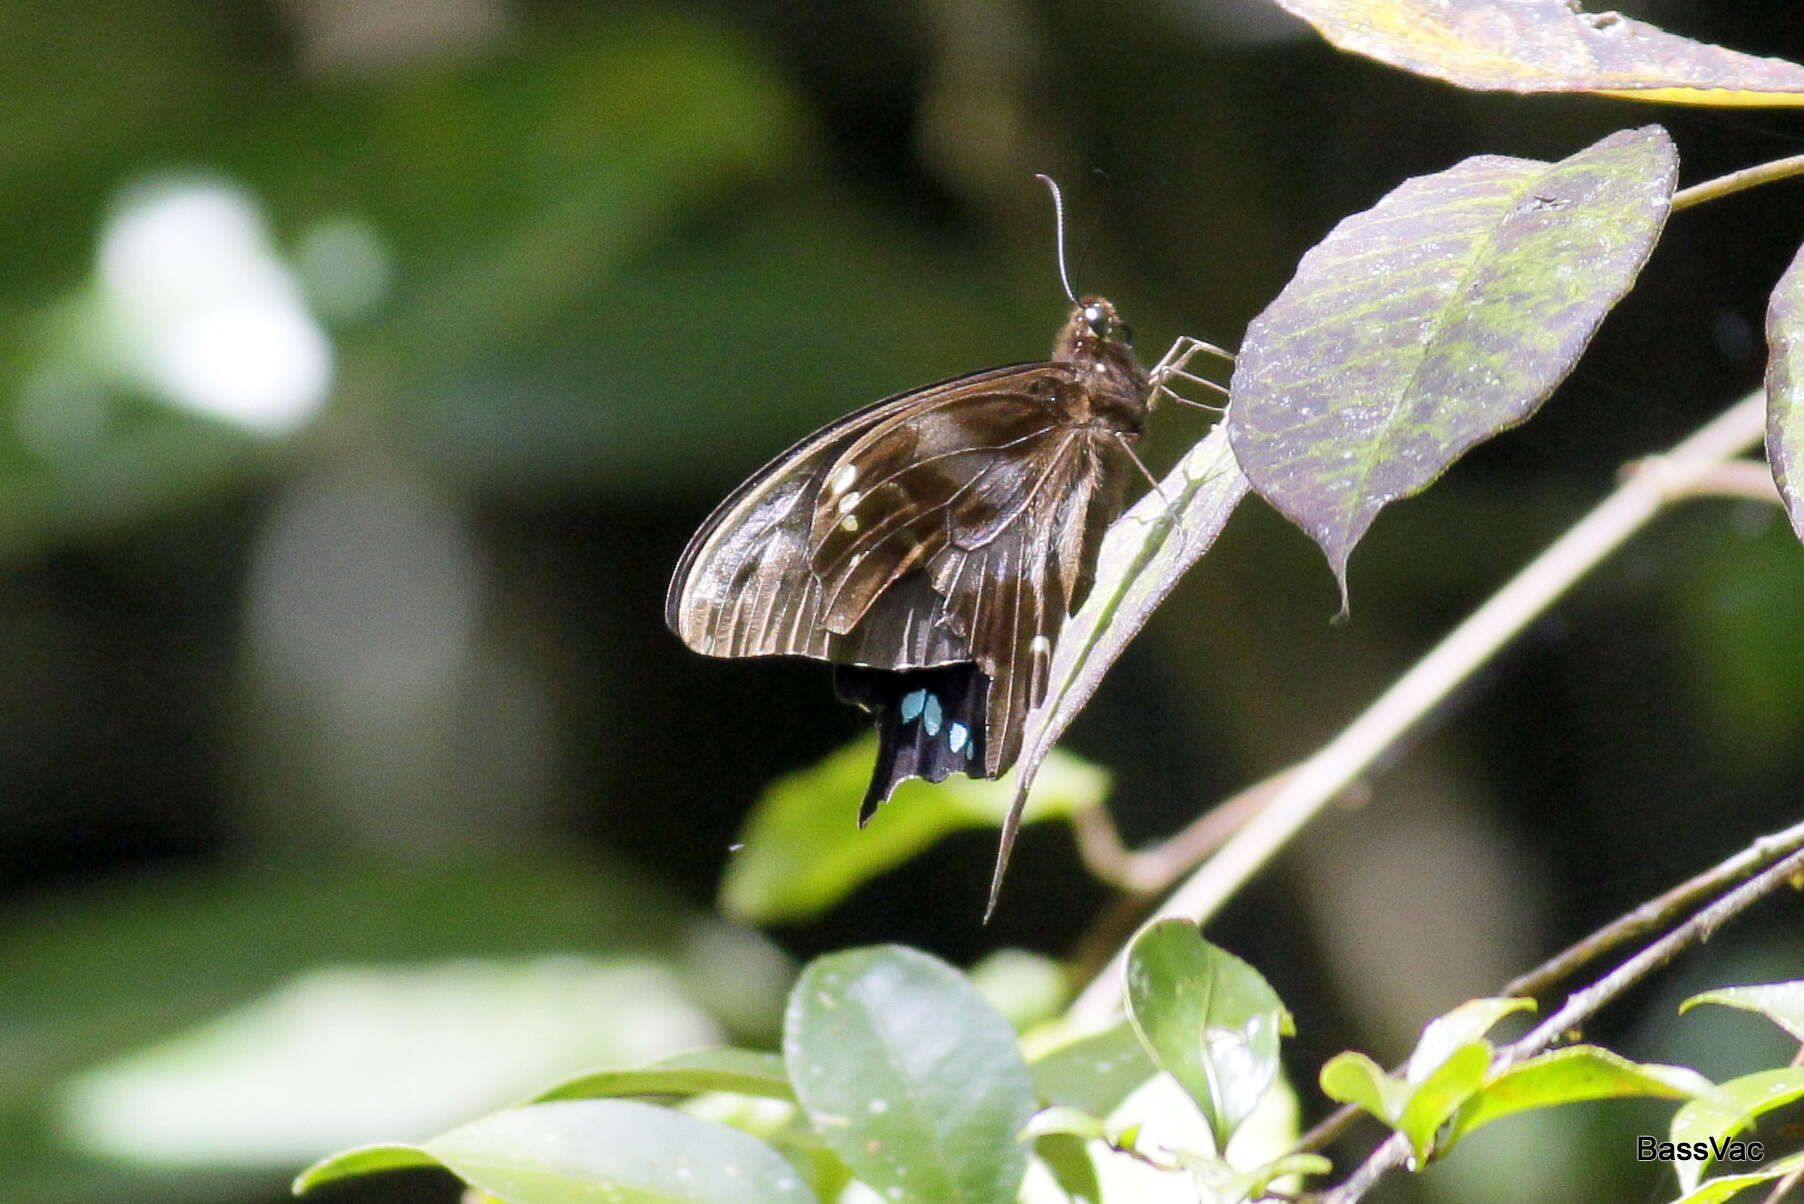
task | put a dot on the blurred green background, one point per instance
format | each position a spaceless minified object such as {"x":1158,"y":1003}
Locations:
{"x":367,"y":363}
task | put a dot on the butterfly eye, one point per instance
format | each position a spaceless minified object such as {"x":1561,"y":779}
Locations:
{"x":1098,"y":319}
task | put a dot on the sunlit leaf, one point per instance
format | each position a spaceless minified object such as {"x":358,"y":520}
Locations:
{"x":1415,"y":1108}
{"x":1780,"y":1002}
{"x":1460,"y":1027}
{"x":1095,"y":1072}
{"x":1143,"y":556}
{"x":1572,"y":1075}
{"x":580,"y":1151}
{"x":1549,"y":46}
{"x":1443,"y":315}
{"x":1208,"y":1019}
{"x":801,"y":850}
{"x":1448,"y":1086}
{"x":1224,"y":1184}
{"x":1785,"y":389}
{"x":338,"y":1056}
{"x":1734,"y":1106}
{"x":737,"y":1071}
{"x":909,"y":1076}
{"x":1067,"y":1159}
{"x":1726,"y":1187}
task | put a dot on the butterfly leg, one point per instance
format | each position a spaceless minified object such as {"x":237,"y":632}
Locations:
{"x":1174,"y":363}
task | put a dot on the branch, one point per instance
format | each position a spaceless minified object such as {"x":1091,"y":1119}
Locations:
{"x":1582,"y":1005}
{"x":1324,"y":775}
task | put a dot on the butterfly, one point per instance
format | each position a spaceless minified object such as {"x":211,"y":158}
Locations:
{"x":930,"y":546}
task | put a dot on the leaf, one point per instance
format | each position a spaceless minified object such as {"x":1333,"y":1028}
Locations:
{"x":1415,"y":1109}
{"x":801,"y":850}
{"x":1060,"y":1121}
{"x":1093,"y":1073}
{"x":1208,"y":1019}
{"x":1354,"y":1078}
{"x":1446,"y":313}
{"x":738,"y":1071}
{"x":1438,"y":1096}
{"x":1549,"y":46}
{"x":1460,"y":1027}
{"x":1785,"y":389}
{"x":1747,"y":1097}
{"x":1780,"y":1002}
{"x":1067,"y":1159}
{"x":1223,"y":1184}
{"x":1725,"y":1187}
{"x":338,"y":1056}
{"x":909,"y":1076}
{"x":1144,"y":554}
{"x":1572,"y":1075}
{"x":579,"y":1151}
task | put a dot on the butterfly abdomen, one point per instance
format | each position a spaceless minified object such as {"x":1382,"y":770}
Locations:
{"x":930,"y":722}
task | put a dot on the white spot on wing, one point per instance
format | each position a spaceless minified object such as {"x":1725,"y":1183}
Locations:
{"x":842,"y":480}
{"x":1039,"y":645}
{"x":850,"y":501}
{"x":849,"y":523}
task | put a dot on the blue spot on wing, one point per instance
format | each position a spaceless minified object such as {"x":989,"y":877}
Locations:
{"x":933,"y":715}
{"x":912,"y":702}
{"x":956,"y":735}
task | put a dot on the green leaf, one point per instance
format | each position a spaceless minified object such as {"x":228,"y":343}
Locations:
{"x":1572,"y":1075}
{"x":1143,"y":556}
{"x":1059,"y":1120}
{"x":802,"y":851}
{"x":1095,"y":1072}
{"x":339,"y":1055}
{"x":1730,"y":1109}
{"x":580,"y":1151}
{"x":1780,"y":1002}
{"x":1208,"y":1019}
{"x":1067,"y":1160}
{"x":1353,"y":1078}
{"x":1427,"y":324}
{"x":909,"y":1076}
{"x":1549,"y":46}
{"x":363,"y":1160}
{"x":1725,"y":1187}
{"x":1223,"y":1184}
{"x":1439,"y":1095}
{"x":1785,"y":389}
{"x":1458,"y":1028}
{"x":738,"y":1071}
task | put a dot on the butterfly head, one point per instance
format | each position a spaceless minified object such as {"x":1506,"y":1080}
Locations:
{"x":1099,"y":345}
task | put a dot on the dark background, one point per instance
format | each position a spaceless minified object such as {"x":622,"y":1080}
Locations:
{"x":395,"y":687}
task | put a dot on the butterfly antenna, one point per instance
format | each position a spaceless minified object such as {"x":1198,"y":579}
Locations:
{"x":1058,"y":214}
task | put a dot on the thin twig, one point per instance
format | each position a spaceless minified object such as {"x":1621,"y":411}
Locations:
{"x":1737,"y":181}
{"x":1748,"y":479}
{"x":1582,"y":1005}
{"x":1324,"y":775}
{"x":1153,"y":869}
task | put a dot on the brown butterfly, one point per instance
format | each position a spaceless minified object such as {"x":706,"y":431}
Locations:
{"x":930,"y":546}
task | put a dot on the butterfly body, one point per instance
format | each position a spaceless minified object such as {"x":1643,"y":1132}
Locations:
{"x":930,"y":546}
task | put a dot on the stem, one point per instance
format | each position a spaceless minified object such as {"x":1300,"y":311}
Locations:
{"x":1582,"y":1005}
{"x":1738,"y":181}
{"x":1324,"y":775}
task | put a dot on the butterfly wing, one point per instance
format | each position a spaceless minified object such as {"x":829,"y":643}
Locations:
{"x":746,"y":584}
{"x":931,"y":545}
